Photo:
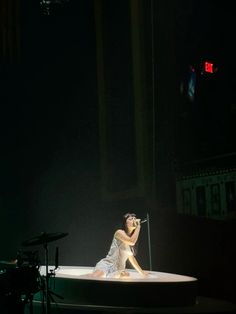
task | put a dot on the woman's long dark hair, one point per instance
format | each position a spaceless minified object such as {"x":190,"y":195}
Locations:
{"x":134,"y":248}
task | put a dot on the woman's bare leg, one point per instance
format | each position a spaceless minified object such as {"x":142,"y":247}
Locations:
{"x":97,"y":273}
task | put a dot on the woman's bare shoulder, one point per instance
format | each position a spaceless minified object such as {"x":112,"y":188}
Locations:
{"x":119,"y":232}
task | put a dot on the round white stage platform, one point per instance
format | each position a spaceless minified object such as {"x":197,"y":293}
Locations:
{"x":158,"y":289}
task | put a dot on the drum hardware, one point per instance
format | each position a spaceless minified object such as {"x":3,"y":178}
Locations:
{"x":43,"y":239}
{"x":27,"y":258}
{"x":7,"y":265}
{"x":17,"y":287}
{"x":20,"y":278}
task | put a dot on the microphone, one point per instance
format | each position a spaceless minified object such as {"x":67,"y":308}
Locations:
{"x":143,"y":221}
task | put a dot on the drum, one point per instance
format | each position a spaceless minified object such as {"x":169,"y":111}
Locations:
{"x":20,"y":280}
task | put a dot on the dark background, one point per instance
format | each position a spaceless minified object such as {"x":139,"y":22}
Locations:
{"x":51,"y":134}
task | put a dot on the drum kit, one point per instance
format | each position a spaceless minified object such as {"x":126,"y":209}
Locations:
{"x":21,"y":276}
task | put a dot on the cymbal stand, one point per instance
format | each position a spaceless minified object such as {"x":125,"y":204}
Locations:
{"x":47,"y":293}
{"x":29,"y":299}
{"x":46,"y":280}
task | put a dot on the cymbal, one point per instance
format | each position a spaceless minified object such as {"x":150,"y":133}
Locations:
{"x":44,"y":238}
{"x":8,"y":264}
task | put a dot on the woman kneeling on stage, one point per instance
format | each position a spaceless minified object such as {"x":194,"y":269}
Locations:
{"x":122,"y":249}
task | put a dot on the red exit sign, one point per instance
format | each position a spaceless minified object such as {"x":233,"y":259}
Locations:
{"x":208,"y":67}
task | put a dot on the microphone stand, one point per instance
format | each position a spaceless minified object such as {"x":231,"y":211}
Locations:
{"x":147,"y":220}
{"x":149,"y":242}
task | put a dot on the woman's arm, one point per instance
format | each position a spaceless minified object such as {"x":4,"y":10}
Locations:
{"x":130,"y":240}
{"x":136,"y":266}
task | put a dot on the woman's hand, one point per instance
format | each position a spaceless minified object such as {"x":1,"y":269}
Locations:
{"x":124,"y":274}
{"x":145,"y":273}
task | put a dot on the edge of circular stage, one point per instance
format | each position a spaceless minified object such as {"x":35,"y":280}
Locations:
{"x":157,"y":290}
{"x":204,"y":305}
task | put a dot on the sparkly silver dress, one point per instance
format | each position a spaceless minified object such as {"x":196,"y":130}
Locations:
{"x":115,"y":261}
